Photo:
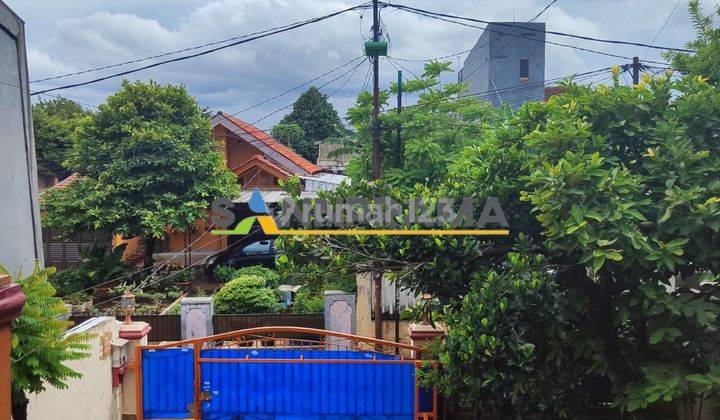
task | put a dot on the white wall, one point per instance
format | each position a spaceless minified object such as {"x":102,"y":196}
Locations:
{"x":20,"y":238}
{"x":89,"y":397}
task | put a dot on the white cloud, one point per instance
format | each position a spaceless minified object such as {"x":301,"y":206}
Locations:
{"x":76,"y":35}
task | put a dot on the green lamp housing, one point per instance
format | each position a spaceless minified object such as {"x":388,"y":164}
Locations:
{"x":376,"y":48}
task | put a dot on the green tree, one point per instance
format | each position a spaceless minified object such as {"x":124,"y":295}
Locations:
{"x":148,"y":163}
{"x":54,"y":123}
{"x":705,"y":61}
{"x":312,"y":120}
{"x":39,"y":347}
{"x":611,"y":270}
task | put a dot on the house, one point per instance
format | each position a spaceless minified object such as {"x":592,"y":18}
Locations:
{"x":20,"y":241}
{"x":507,"y":64}
{"x":258,"y":161}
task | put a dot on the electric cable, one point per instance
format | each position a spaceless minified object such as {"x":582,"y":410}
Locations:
{"x":205,"y":52}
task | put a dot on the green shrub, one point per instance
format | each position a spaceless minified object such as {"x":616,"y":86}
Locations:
{"x":307,"y":301}
{"x":272,"y":278}
{"x":224,"y":274}
{"x":246,"y":294}
{"x":69,"y":281}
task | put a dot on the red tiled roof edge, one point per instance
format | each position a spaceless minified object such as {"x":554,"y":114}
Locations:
{"x":273,"y":144}
{"x":67,"y":181}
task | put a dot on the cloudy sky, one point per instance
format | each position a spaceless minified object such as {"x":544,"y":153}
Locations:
{"x":74,"y":35}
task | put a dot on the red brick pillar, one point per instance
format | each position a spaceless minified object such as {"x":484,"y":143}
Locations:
{"x":12,"y":300}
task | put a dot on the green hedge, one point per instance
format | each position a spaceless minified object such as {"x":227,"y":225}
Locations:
{"x":246,"y":294}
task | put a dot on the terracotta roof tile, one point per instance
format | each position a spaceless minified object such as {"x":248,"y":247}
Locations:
{"x":67,"y":181}
{"x":273,"y":144}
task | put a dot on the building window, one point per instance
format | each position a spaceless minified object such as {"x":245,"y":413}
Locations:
{"x":524,"y":69}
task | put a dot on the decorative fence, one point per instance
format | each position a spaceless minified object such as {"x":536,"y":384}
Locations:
{"x":167,"y":327}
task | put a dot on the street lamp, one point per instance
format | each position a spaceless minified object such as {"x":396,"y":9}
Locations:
{"x":127,"y":304}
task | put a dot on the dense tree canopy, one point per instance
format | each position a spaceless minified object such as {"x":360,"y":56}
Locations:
{"x":312,"y":120}
{"x":606,"y":290}
{"x":54,"y":123}
{"x":148,"y":162}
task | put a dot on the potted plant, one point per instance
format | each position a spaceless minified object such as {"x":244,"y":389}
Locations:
{"x":184,"y":280}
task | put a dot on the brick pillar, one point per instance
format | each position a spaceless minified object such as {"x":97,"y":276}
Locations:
{"x":136,"y":333}
{"x":12,"y":300}
{"x":421,"y":334}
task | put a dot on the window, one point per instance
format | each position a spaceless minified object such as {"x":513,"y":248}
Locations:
{"x":524,"y":69}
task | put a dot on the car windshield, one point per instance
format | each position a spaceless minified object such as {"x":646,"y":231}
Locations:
{"x":260,"y":247}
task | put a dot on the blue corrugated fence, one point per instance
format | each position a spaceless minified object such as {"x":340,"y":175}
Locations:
{"x":279,"y":390}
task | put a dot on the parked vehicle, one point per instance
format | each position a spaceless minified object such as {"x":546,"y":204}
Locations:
{"x":259,"y":252}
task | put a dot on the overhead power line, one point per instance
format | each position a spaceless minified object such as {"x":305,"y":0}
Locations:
{"x":565,"y":34}
{"x":270,"y":32}
{"x":559,"y":44}
{"x":150,"y":57}
{"x":299,"y":86}
{"x":662,"y":27}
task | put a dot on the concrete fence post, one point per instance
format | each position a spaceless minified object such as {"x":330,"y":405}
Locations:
{"x":339,"y":316}
{"x":196,"y":317}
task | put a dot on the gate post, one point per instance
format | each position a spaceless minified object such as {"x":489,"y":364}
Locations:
{"x":196,"y":317}
{"x":12,"y":300}
{"x":339,"y":316}
{"x":136,"y":333}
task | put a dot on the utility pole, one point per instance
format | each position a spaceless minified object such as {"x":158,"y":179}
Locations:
{"x":377,"y":275}
{"x":376,"y":96}
{"x":398,"y":144}
{"x":636,"y":71}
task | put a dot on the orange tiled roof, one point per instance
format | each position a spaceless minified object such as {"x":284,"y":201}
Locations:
{"x":273,"y":144}
{"x":67,"y":181}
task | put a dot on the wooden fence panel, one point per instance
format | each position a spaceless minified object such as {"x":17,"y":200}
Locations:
{"x":167,"y":327}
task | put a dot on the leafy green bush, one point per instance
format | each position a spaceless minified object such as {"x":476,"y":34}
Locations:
{"x":98,"y":266}
{"x":272,"y":278}
{"x":306,"y":301}
{"x":224,"y":274}
{"x":246,"y":294}
{"x":40,"y":350}
{"x":69,"y":281}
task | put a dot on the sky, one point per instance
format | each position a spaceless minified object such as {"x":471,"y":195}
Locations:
{"x":74,"y":35}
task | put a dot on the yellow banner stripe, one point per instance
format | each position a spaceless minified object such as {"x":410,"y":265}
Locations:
{"x":269,"y":226}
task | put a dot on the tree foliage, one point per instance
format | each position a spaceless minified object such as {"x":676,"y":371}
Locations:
{"x":705,"y":61}
{"x":54,"y":123}
{"x":40,"y":349}
{"x":148,"y":163}
{"x":606,"y":290}
{"x":312,"y":120}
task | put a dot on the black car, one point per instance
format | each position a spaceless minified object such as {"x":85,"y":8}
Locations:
{"x":243,"y":254}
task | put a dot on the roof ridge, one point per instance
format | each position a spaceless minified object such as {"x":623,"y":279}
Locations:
{"x":273,"y":143}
